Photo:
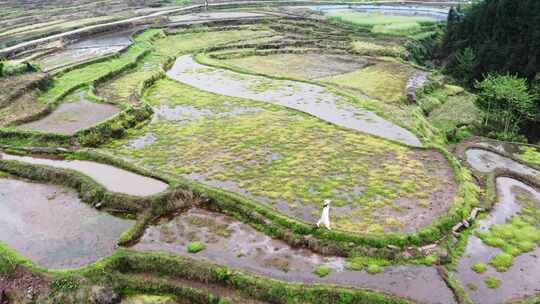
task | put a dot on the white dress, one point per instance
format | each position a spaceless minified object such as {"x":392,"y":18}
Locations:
{"x":325,"y":217}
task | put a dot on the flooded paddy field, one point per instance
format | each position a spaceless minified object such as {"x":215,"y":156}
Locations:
{"x":51,"y":226}
{"x":229,"y":142}
{"x":112,"y":178}
{"x":300,"y":96}
{"x":75,"y":113}
{"x":232,"y":243}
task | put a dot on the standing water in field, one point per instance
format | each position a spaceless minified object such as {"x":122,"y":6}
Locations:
{"x":234,"y":244}
{"x":52,"y":227}
{"x":523,"y":277}
{"x":112,"y":178}
{"x":309,"y":98}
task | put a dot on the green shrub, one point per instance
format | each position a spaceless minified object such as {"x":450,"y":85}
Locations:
{"x":322,"y":270}
{"x":195,"y":247}
{"x":373,"y":268}
{"x":492,"y":282}
{"x":479,"y":267}
{"x":502,"y":261}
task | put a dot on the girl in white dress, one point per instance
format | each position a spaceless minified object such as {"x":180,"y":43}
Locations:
{"x":325,"y":216}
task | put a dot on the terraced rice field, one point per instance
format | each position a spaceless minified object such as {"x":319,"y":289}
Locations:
{"x":188,"y":162}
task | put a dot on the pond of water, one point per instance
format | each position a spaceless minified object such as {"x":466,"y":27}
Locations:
{"x":51,"y":226}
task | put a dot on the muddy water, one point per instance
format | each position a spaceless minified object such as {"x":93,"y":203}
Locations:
{"x":121,"y":38}
{"x":52,"y":227}
{"x":237,"y":245}
{"x":72,"y":56}
{"x":308,"y":98}
{"x":112,"y":178}
{"x":486,"y":161}
{"x":399,"y":10}
{"x":214,"y":16}
{"x":523,"y":278}
{"x":70,"y":117}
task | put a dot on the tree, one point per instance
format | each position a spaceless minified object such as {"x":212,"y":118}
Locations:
{"x":506,"y":102}
{"x":465,"y":64}
{"x":504,"y":35}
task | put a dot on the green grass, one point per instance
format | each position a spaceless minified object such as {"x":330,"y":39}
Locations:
{"x":492,"y":281}
{"x":502,"y":261}
{"x":195,"y":247}
{"x":401,"y":29}
{"x":479,"y":267}
{"x":86,"y":75}
{"x":383,"y":23}
{"x":529,"y":154}
{"x":366,"y":48}
{"x":175,"y":45}
{"x":451,"y":115}
{"x":373,"y":269}
{"x":520,"y":234}
{"x":322,"y":270}
{"x":365,"y":262}
{"x":384,"y":80}
{"x":283,"y":155}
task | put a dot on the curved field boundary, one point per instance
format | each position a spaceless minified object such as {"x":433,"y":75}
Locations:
{"x":300,"y":232}
{"x":99,"y":133}
{"x":295,"y":231}
{"x":10,"y":51}
{"x":114,"y":270}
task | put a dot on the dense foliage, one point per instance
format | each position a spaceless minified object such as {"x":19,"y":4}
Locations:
{"x":504,"y":36}
{"x":506,"y":104}
{"x":492,"y":45}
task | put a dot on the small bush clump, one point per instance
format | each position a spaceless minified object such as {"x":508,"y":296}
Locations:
{"x":479,"y":267}
{"x":492,"y":282}
{"x":322,"y":270}
{"x":195,"y":247}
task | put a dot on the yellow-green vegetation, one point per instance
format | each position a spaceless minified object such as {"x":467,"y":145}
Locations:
{"x":383,"y":23}
{"x":285,"y":156}
{"x":520,"y":234}
{"x":404,"y":28}
{"x":367,"y":48}
{"x":322,"y":270}
{"x":148,"y":299}
{"x":451,"y":111}
{"x":492,"y":281}
{"x":195,"y":247}
{"x":373,"y":268}
{"x":73,"y":79}
{"x":529,"y":154}
{"x":384,"y":80}
{"x":362,"y":262}
{"x":181,"y":43}
{"x":122,"y":87}
{"x":296,"y":66}
{"x":502,"y":261}
{"x":479,"y":267}
{"x":408,"y":115}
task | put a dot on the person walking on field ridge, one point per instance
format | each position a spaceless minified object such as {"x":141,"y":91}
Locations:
{"x":325,"y":216}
